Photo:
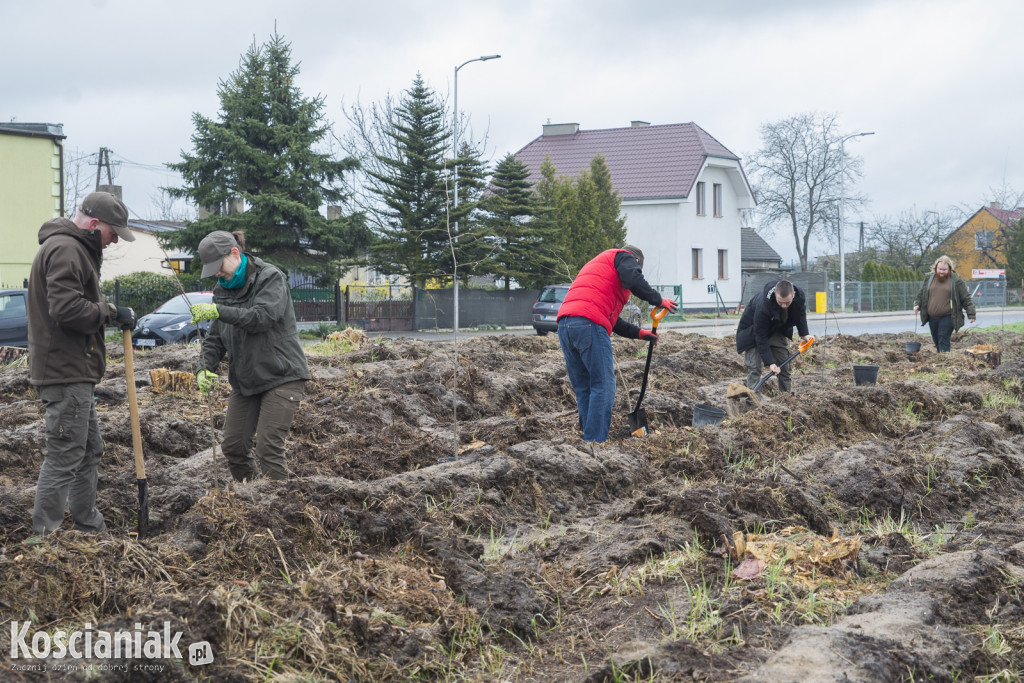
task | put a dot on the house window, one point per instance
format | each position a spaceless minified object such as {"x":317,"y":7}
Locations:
{"x":717,"y":196}
{"x":700,"y":198}
{"x":984,"y":239}
{"x":698,"y":263}
{"x":723,"y":264}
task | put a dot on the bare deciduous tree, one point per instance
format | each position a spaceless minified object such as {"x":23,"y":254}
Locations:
{"x":909,"y":238}
{"x":801,"y":172}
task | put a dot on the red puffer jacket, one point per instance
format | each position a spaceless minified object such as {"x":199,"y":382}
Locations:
{"x":597,"y":292}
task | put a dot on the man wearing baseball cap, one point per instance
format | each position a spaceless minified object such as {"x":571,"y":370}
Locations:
{"x":67,"y":317}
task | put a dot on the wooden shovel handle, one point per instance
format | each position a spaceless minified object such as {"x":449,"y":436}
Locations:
{"x":133,"y":405}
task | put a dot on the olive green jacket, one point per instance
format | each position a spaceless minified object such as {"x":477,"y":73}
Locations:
{"x":960,"y":300}
{"x":256,"y":329}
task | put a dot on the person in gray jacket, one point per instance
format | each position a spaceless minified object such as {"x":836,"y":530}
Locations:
{"x":67,"y":355}
{"x":253,"y":323}
{"x":942,"y":300}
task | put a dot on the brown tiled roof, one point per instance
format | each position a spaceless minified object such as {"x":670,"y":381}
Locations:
{"x":646,"y":162}
{"x":1007,"y":216}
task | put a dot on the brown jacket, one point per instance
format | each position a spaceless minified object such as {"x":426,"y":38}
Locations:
{"x":66,"y":310}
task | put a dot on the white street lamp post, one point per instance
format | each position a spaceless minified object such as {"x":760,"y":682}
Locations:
{"x":842,"y":200}
{"x":455,"y":183}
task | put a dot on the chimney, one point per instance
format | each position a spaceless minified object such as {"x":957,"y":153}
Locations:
{"x":333,"y":213}
{"x":236,"y":205}
{"x":639,"y":124}
{"x":995,"y":205}
{"x":553,"y":129}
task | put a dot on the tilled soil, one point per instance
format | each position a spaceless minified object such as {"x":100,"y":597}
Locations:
{"x":502,"y":547}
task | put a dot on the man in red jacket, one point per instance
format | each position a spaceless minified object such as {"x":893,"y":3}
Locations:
{"x":586,"y":319}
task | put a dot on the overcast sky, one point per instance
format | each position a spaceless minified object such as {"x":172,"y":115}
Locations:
{"x":938,"y":81}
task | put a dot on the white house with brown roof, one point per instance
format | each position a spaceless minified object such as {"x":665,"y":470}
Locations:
{"x":683,"y":196}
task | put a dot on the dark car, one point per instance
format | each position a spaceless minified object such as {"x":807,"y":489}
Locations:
{"x":171,"y":322}
{"x":545,"y":310}
{"x":13,"y":317}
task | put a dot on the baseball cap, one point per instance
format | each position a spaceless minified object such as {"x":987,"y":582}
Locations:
{"x":635,"y":251}
{"x":213,"y":249}
{"x":111,"y":210}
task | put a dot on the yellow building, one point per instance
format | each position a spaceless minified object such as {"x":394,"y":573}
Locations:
{"x":31,"y":192}
{"x":976,"y":243}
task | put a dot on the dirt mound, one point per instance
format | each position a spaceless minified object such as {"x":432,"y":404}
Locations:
{"x":502,"y":547}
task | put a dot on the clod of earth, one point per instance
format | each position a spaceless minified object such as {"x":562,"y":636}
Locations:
{"x":836,"y":533}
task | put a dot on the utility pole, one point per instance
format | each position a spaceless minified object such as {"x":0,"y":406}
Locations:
{"x":104,"y":160}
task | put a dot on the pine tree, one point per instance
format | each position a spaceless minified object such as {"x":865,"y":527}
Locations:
{"x":520,"y":240}
{"x":261,"y":156}
{"x":411,"y":179}
{"x":584,"y":211}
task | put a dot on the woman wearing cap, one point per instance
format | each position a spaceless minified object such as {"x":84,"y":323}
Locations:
{"x":253,"y":323}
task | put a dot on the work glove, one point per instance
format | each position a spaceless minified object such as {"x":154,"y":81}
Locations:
{"x":670,"y":305}
{"x":206,"y":380}
{"x":649,"y":335}
{"x":201,"y":312}
{"x":126,"y":318}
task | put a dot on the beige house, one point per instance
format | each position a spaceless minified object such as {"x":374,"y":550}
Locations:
{"x":31,"y":192}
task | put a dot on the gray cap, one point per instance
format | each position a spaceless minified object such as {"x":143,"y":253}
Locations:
{"x":111,"y":210}
{"x":213,"y":249}
{"x":635,"y":251}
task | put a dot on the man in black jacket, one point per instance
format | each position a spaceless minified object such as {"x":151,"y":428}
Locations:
{"x":766,"y":328}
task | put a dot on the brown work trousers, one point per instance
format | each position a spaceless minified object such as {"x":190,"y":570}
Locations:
{"x":265,"y":417}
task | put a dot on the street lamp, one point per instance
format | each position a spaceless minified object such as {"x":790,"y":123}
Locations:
{"x":455,"y":200}
{"x":842,"y":200}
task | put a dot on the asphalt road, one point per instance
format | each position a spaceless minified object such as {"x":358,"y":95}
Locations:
{"x":820,"y":325}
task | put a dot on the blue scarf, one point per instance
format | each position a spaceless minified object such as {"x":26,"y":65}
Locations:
{"x":238,"y":279}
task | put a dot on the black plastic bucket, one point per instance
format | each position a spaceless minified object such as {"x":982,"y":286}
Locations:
{"x":706,"y":415}
{"x":865,"y":374}
{"x":913,"y":347}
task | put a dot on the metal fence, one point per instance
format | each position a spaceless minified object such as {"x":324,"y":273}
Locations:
{"x":866,"y":297}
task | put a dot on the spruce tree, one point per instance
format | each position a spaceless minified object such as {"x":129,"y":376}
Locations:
{"x":256,"y":168}
{"x":412,"y":177}
{"x":520,"y":240}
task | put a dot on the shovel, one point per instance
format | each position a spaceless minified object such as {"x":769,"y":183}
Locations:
{"x":737,"y":391}
{"x":638,"y":418}
{"x":803,"y":347}
{"x":133,"y":409}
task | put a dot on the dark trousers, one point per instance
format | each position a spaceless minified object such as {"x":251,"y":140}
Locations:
{"x":780,"y":352}
{"x":267,"y":417}
{"x":942,"y":330}
{"x":70,"y":468}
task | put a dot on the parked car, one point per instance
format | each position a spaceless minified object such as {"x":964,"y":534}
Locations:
{"x":545,"y":310}
{"x":171,"y":322}
{"x":13,"y":317}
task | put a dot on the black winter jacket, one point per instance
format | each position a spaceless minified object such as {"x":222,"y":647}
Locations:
{"x":763,"y":318}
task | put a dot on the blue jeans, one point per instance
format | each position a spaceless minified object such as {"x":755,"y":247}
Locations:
{"x":942,"y":330}
{"x":587,"y":348}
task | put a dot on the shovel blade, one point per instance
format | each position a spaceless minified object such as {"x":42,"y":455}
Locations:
{"x":143,"y":507}
{"x":638,"y":422}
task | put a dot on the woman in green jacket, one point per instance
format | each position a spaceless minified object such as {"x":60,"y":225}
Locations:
{"x":942,"y":301}
{"x":253,"y":323}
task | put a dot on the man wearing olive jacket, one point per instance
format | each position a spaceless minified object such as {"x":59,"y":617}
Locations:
{"x":586,"y":319}
{"x":766,"y":328}
{"x":67,"y":355}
